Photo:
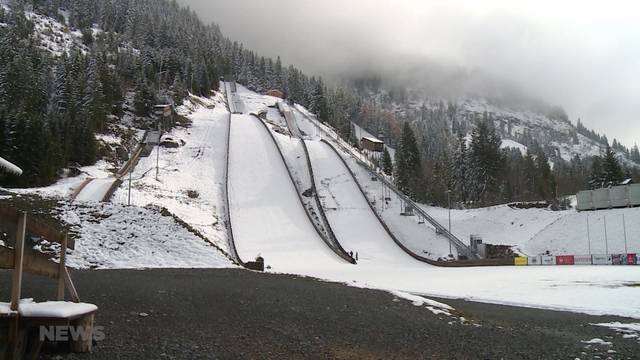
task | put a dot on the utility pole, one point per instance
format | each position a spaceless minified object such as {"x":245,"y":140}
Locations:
{"x":606,"y":238}
{"x":624,"y":226}
{"x":130,"y":174}
{"x":383,"y":197}
{"x":588,"y":235}
{"x":158,"y":152}
{"x":449,"y":200}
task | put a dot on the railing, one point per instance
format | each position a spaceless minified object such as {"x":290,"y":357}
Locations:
{"x":460,"y":246}
{"x":227,"y":220}
{"x":295,"y":131}
{"x":336,"y":247}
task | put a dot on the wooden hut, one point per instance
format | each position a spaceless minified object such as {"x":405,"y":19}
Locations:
{"x":372,"y":144}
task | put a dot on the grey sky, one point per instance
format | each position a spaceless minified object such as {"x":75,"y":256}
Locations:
{"x":580,"y":55}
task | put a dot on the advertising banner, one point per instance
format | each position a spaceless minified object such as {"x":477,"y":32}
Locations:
{"x":582,"y":260}
{"x":601,"y":259}
{"x":548,"y":260}
{"x":564,"y":260}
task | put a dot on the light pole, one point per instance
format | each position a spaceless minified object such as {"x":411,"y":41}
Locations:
{"x":449,"y":200}
{"x":624,"y":227}
{"x":130,"y":174}
{"x":606,"y":237}
{"x":588,"y":234}
{"x":158,"y":152}
{"x":130,"y":170}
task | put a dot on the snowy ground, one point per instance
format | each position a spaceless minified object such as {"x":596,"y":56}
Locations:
{"x":535,"y":231}
{"x":191,"y":177}
{"x":112,"y":236}
{"x":268,"y":219}
{"x":270,"y":225}
{"x":64,"y":187}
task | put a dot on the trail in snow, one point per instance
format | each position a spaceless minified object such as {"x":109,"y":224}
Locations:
{"x":95,"y":190}
{"x":266,"y":214}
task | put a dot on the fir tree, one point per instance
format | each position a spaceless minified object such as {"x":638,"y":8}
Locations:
{"x":485,"y":164}
{"x":459,"y":169}
{"x":596,"y":179}
{"x":408,"y":164}
{"x":387,"y":163}
{"x":612,"y":171}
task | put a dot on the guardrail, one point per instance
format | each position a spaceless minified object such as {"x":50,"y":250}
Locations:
{"x":333,"y":246}
{"x":460,"y":246}
{"x":230,"y":239}
{"x":323,"y":215}
{"x":229,"y":95}
{"x":293,"y":125}
{"x":128,"y":167}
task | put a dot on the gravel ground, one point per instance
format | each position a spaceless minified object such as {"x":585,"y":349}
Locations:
{"x":237,"y":314}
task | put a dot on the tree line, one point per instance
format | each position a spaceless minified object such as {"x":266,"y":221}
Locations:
{"x":135,"y":54}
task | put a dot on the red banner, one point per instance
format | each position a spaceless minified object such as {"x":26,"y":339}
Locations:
{"x":564,"y":260}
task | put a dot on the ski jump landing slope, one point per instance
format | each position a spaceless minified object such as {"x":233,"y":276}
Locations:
{"x":349,"y":214}
{"x":266,"y":214}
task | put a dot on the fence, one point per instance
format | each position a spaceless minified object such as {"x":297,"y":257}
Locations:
{"x":563,"y":260}
{"x":610,"y":232}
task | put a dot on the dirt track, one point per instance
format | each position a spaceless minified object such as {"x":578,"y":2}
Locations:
{"x":235,"y":314}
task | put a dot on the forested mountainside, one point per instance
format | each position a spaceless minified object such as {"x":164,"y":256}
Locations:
{"x":532,"y":151}
{"x":72,"y":69}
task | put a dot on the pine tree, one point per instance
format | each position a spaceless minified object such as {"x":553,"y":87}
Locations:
{"x":612,"y":171}
{"x":635,"y":154}
{"x":459,"y":169}
{"x":387,"y":163}
{"x":596,"y":179}
{"x":529,"y":177}
{"x":545,"y":182}
{"x":408,"y":164}
{"x":485,"y":164}
{"x":144,"y":99}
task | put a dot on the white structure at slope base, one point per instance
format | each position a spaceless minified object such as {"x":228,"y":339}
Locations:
{"x":9,"y":167}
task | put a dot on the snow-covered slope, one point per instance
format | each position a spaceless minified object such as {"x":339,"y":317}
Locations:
{"x":536,"y":231}
{"x":191,"y":177}
{"x":112,"y":236}
{"x":266,"y":215}
{"x":349,"y":215}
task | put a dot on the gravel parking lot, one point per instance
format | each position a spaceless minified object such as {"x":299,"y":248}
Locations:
{"x":237,"y":314}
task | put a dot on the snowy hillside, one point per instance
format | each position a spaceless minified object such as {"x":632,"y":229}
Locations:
{"x":517,"y":124}
{"x":535,"y":231}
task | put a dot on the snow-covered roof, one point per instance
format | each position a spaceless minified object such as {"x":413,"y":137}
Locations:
{"x":372,"y":139}
{"x":9,"y":167}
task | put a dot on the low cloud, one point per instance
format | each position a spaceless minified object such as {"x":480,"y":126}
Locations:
{"x":581,"y":56}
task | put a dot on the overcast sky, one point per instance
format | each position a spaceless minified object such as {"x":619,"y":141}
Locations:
{"x":582,"y":55}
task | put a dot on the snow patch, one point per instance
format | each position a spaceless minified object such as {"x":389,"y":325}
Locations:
{"x":435,"y":307}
